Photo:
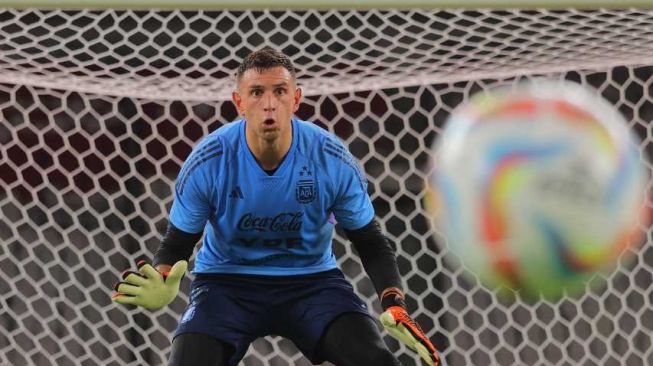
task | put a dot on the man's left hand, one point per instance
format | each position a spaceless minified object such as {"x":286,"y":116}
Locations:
{"x":402,"y":327}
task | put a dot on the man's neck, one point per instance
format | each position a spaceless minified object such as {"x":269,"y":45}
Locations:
{"x":269,"y":153}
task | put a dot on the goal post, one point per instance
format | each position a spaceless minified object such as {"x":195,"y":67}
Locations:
{"x":100,"y":106}
{"x":322,"y":5}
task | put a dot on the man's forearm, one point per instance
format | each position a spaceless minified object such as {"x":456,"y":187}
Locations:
{"x":176,"y":245}
{"x":377,"y":256}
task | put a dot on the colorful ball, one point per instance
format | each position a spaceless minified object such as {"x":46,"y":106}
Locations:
{"x":538,"y":187}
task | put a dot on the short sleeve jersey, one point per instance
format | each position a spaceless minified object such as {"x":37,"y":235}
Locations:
{"x":278,"y":224}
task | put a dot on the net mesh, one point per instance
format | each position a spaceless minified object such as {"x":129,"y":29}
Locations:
{"x":100,"y":108}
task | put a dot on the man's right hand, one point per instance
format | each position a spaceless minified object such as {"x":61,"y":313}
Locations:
{"x":148,"y":287}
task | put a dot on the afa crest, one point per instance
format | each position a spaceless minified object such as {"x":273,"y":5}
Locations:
{"x":305,"y":191}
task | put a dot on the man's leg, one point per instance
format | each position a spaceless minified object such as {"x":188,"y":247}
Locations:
{"x":216,"y":329}
{"x":352,"y":339}
{"x":199,"y":350}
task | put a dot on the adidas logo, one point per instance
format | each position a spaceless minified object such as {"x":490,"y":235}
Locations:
{"x":236,"y":193}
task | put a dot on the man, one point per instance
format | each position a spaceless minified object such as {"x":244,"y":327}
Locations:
{"x":266,"y":190}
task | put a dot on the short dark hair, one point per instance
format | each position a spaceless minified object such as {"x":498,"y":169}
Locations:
{"x":264,"y":59}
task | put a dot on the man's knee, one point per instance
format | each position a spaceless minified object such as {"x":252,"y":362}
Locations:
{"x":353,"y":339}
{"x":383,"y":357}
{"x":199,"y":350}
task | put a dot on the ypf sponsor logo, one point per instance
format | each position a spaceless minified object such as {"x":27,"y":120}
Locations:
{"x":283,"y":222}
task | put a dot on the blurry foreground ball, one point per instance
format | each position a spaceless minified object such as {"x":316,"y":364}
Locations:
{"x":538,"y":187}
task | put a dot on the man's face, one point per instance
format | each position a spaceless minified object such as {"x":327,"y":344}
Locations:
{"x":267,"y":99}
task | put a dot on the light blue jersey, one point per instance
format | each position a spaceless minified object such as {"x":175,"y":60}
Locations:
{"x":279,"y":224}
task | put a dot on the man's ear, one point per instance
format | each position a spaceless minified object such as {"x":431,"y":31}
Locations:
{"x":297,"y":98}
{"x":238,"y":102}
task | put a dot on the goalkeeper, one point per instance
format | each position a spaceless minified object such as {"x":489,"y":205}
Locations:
{"x":266,"y":192}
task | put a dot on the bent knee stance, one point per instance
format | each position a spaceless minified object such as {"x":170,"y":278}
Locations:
{"x":363,"y":354}
{"x":380,"y":356}
{"x":354,"y":340}
{"x":199,"y":350}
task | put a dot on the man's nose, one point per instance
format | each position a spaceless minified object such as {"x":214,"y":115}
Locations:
{"x":269,"y":102}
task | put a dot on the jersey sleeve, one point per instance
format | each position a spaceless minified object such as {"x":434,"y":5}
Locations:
{"x":353,"y":208}
{"x":193,"y":189}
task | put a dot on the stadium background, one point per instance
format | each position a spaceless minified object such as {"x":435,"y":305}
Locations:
{"x":96,"y":119}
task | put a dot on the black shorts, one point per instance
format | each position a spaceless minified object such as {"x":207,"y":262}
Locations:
{"x":237,"y":309}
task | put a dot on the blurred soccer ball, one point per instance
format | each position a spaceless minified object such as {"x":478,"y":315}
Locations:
{"x":538,"y":187}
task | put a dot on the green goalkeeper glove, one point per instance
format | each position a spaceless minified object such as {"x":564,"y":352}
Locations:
{"x":148,"y":287}
{"x":403,"y":328}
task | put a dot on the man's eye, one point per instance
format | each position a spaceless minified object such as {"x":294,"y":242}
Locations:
{"x":280,"y":91}
{"x":257,"y":93}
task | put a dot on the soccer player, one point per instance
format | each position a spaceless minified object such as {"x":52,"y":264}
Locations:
{"x":266,"y":192}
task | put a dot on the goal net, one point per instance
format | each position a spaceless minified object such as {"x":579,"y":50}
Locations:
{"x":99,"y":108}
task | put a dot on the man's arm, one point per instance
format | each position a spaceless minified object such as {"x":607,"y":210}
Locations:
{"x":377,"y":256}
{"x":175,"y":246}
{"x":379,"y":261}
{"x":151,"y":287}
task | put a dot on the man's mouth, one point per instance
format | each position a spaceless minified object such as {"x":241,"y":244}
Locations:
{"x":269,"y":122}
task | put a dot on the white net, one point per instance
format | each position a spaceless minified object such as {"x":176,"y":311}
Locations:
{"x":98,"y":109}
